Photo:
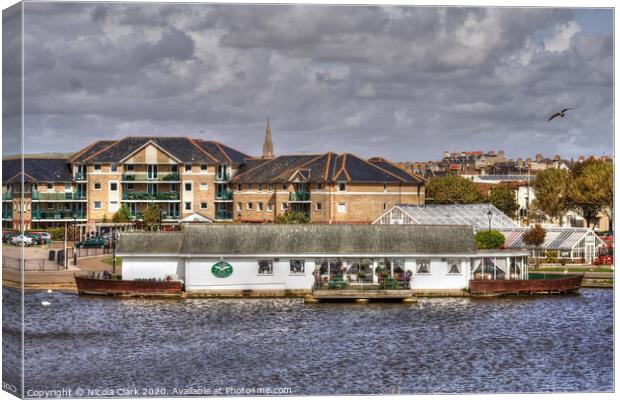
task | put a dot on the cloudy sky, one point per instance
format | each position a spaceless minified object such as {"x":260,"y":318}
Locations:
{"x":402,"y":82}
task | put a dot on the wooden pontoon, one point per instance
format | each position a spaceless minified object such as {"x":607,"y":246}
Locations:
{"x":535,"y":284}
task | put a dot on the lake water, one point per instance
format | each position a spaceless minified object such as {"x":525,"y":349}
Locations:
{"x":107,"y":346}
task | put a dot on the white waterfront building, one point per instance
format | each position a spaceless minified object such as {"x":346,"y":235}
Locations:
{"x":281,"y":259}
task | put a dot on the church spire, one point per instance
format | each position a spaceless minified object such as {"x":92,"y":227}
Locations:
{"x":268,"y":144}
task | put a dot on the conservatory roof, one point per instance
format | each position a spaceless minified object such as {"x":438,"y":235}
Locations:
{"x":475,"y":215}
{"x":557,"y":238}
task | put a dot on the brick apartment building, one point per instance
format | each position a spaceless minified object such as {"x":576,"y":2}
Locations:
{"x":191,"y":177}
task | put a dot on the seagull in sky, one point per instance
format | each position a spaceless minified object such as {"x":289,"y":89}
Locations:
{"x":559,"y":114}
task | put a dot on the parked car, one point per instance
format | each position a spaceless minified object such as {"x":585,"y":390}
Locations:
{"x":94,"y":242}
{"x":6,"y":236}
{"x":45,"y":237}
{"x":22,"y":240}
{"x":38,"y":239}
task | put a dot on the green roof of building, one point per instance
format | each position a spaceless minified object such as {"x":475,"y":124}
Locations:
{"x":233,"y":239}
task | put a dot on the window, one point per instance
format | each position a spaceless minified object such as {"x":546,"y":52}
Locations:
{"x":203,"y":167}
{"x":239,"y":206}
{"x":113,"y":186}
{"x":250,"y":206}
{"x":97,"y":205}
{"x":188,"y":205}
{"x":112,"y":167}
{"x":385,"y":206}
{"x":174,"y":187}
{"x":97,"y":167}
{"x":423,"y":266}
{"x":260,"y":187}
{"x":385,"y":187}
{"x":342,"y":208}
{"x":454,"y":266}
{"x":238,"y":187}
{"x":284,"y":186}
{"x":342,"y":187}
{"x":188,"y":167}
{"x":50,"y":186}
{"x":130,"y":167}
{"x":130,"y":186}
{"x":297,"y":267}
{"x":203,"y":205}
{"x":318,"y":206}
{"x":188,"y":186}
{"x":283,"y":206}
{"x":271,"y":187}
{"x":319,"y":186}
{"x":67,"y":187}
{"x":174,"y":168}
{"x":204,"y":186}
{"x":259,"y":207}
{"x":265,"y":267}
{"x":97,"y":186}
{"x":270,"y":207}
{"x":249,"y":186}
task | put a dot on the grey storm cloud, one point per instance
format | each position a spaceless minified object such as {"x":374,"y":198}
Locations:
{"x":402,"y":82}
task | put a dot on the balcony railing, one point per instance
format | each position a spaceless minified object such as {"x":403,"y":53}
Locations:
{"x":59,"y":196}
{"x":79,"y":176}
{"x":7,"y":196}
{"x":140,"y":215}
{"x":150,"y":196}
{"x":171,"y":177}
{"x":223,"y":214}
{"x":226,"y":195}
{"x":299,"y":196}
{"x":223,"y":176}
{"x":55,"y":214}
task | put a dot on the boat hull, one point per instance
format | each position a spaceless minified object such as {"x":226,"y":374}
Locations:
{"x":117,"y":287}
{"x":564,"y":284}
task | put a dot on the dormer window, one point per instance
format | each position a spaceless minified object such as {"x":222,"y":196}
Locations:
{"x":342,"y":187}
{"x":97,"y":167}
{"x":188,"y":167}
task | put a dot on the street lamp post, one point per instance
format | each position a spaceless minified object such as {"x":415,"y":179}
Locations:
{"x":490,"y":216}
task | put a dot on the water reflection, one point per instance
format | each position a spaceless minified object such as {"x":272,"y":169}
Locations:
{"x":454,"y":345}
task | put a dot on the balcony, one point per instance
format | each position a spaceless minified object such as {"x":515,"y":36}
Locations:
{"x":171,"y":177}
{"x":7,"y":195}
{"x":58,"y":196}
{"x":223,"y":214}
{"x":144,"y":196}
{"x":299,"y":197}
{"x":224,"y":196}
{"x":80,"y":176}
{"x":164,"y":216}
{"x":222,"y":177}
{"x":56,"y":214}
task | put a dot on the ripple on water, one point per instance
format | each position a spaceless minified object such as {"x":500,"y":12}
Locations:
{"x":437,"y":345}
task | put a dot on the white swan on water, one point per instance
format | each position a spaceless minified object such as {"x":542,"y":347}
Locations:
{"x":45,"y":303}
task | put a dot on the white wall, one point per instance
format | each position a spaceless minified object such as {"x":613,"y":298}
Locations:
{"x":245,"y":275}
{"x":152,"y":268}
{"x":438,"y":278}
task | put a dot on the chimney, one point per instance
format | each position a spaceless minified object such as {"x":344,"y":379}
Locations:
{"x":581,"y":159}
{"x":539,"y":157}
{"x":557,"y":157}
{"x":501,"y":154}
{"x":519,"y":162}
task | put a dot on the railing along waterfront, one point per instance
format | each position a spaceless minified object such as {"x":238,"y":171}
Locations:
{"x":38,"y":214}
{"x":150,"y":196}
{"x":58,"y":196}
{"x":299,"y":196}
{"x":171,"y":177}
{"x":223,"y":214}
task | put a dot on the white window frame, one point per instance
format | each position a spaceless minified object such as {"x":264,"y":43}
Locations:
{"x":188,"y":167}
{"x":206,"y":205}
{"x":340,"y":185}
{"x":318,"y":207}
{"x":340,"y":210}
{"x":239,"y":206}
{"x":303,"y":267}
{"x":270,"y":269}
{"x":270,"y":207}
{"x":95,"y":207}
{"x":249,"y":206}
{"x":185,"y":203}
{"x":191,"y":186}
{"x":113,"y":183}
{"x":259,"y":206}
{"x":95,"y":186}
{"x":113,"y":167}
{"x":283,"y":206}
{"x":204,"y":186}
{"x":459,"y":264}
{"x":418,"y":264}
{"x":97,"y":167}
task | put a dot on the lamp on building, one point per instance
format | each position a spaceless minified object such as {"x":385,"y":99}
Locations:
{"x":490,"y":215}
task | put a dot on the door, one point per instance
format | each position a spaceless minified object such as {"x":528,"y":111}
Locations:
{"x":152,"y":171}
{"x":589,"y":253}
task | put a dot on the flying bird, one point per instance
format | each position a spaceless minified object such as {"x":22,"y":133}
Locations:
{"x":559,"y":114}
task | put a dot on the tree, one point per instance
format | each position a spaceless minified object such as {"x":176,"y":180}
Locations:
{"x":489,"y":240}
{"x":551,"y":187}
{"x":293,"y":217}
{"x":535,"y":237}
{"x":122,"y":215}
{"x":504,"y":199}
{"x":453,"y":189}
{"x":591,"y":189}
{"x":152,"y":215}
{"x":104,"y":218}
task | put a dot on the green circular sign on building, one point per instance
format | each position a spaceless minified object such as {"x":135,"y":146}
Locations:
{"x":222,"y":269}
